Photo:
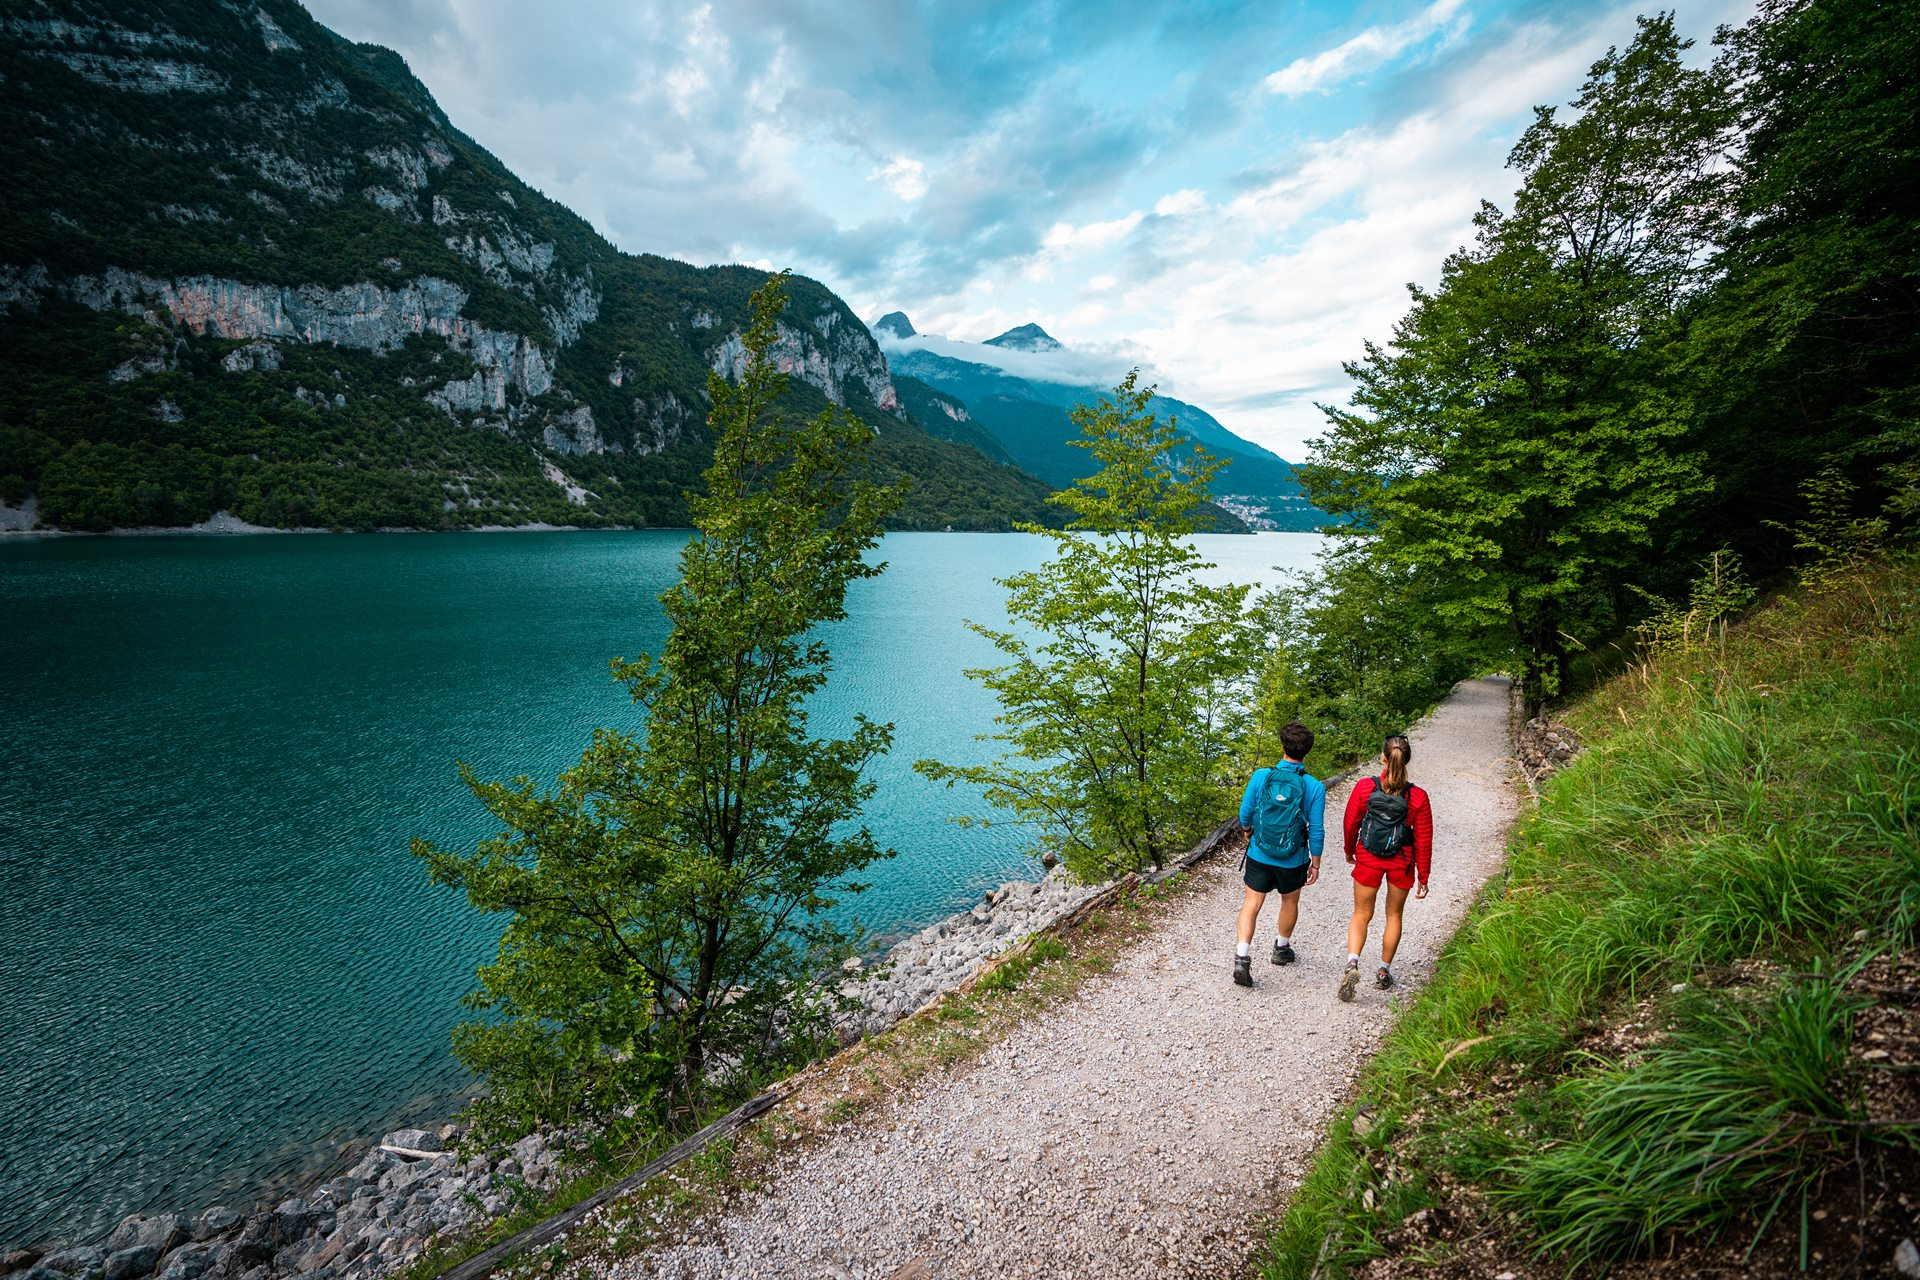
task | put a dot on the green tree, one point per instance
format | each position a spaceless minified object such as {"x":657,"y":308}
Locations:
{"x":1524,"y":436}
{"x":1811,"y":337}
{"x":1111,"y":710}
{"x":666,"y":900}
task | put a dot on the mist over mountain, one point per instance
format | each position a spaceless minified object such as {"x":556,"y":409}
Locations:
{"x":1022,"y":384}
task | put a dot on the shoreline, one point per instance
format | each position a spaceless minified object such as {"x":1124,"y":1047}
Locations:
{"x":378,"y":1204}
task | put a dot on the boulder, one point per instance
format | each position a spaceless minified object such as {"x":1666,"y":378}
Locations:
{"x":162,"y":1230}
{"x":18,"y":1260}
{"x":39,"y":1271}
{"x":135,"y":1260}
{"x":188,"y":1262}
{"x":74,"y":1262}
{"x":216,"y":1221}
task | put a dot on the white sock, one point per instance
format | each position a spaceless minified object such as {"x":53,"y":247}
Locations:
{"x":1282,"y":940}
{"x":1241,"y":949}
{"x":1353,"y":957}
{"x":1386,"y":966}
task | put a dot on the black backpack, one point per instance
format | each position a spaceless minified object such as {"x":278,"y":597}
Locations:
{"x":1384,"y":827}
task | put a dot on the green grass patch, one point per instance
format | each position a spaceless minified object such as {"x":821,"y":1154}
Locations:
{"x":1641,"y":1033}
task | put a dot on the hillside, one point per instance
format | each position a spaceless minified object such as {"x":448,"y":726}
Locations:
{"x":1026,"y":403}
{"x":251,"y":266}
{"x":1677,"y":1038}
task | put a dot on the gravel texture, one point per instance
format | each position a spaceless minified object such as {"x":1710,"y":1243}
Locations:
{"x":1153,"y":1123}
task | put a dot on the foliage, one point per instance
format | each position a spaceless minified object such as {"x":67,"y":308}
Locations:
{"x":1744,"y":812}
{"x":666,"y":900}
{"x":1830,"y":538}
{"x":1522,"y":436}
{"x":1110,"y":711}
{"x":1355,"y":650}
{"x":1717,"y":595}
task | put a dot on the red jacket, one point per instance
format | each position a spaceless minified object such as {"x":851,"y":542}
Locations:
{"x":1419,"y":817}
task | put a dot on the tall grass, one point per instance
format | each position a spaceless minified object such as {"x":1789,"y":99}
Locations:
{"x":1743,"y":809}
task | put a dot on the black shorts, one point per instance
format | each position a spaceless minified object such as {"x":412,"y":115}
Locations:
{"x":1262,"y":878}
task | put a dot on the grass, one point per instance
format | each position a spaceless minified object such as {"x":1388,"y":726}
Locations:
{"x":1641,"y":1034}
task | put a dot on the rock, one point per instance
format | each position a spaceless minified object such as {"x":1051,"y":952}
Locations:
{"x":39,"y":1271}
{"x":412,"y":1140}
{"x":18,"y":1260}
{"x":72,"y":1262}
{"x":162,"y":1230}
{"x":852,"y":964}
{"x":295,"y":1218}
{"x":1906,"y":1259}
{"x":1049,"y":859}
{"x":188,"y":1262}
{"x":215,"y":1221}
{"x":135,"y":1260}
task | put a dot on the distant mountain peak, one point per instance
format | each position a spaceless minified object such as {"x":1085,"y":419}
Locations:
{"x":1028,"y":337}
{"x":895,"y":323}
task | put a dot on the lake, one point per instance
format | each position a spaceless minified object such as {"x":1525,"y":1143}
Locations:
{"x":220,"y":960}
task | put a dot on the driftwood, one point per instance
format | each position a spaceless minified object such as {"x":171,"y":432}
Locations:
{"x":560,"y":1223}
{"x":917,"y":1269}
{"x":411,"y":1154}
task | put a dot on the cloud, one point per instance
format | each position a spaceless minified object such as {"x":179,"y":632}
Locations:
{"x":1363,"y":52}
{"x":1134,"y":175}
{"x":905,"y":178}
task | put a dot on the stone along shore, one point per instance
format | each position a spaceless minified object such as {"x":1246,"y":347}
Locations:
{"x":390,"y":1206}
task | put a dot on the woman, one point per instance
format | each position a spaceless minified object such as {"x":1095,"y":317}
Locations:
{"x":1389,"y":829}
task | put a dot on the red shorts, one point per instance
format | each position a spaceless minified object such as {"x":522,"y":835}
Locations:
{"x":1369,"y":870}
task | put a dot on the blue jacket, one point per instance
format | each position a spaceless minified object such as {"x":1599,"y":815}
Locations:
{"x":1316,"y":804}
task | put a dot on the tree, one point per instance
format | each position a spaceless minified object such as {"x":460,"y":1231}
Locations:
{"x":1110,"y":710}
{"x":1811,"y":337}
{"x":666,"y":900}
{"x":1523,"y":438}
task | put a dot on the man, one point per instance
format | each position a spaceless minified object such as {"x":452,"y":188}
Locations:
{"x":1284,"y":812}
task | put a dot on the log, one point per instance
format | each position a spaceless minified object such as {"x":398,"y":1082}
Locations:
{"x":411,"y":1154}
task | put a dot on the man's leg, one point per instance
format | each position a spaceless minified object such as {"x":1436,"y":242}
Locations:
{"x":1249,"y":917}
{"x":1289,"y":913}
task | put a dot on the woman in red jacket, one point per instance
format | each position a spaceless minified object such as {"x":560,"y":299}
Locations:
{"x":1389,"y":828}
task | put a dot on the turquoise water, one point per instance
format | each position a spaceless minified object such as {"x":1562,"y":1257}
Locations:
{"x":220,"y":960}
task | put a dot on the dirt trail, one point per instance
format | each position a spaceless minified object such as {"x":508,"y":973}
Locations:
{"x":1150,"y":1125}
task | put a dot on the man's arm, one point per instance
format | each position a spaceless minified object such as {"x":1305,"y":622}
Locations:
{"x":1246,"y":800}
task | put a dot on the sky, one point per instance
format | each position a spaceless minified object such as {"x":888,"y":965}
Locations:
{"x":1231,"y":196}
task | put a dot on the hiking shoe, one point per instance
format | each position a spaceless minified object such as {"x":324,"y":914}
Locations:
{"x":1243,"y":970}
{"x":1349,"y":981}
{"x":1383,"y":978}
{"x":1282,"y":955}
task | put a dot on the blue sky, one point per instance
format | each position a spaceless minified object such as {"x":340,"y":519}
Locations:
{"x":1233,"y":196}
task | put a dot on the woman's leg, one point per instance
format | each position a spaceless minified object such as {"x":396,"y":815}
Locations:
{"x":1363,"y":898}
{"x":1390,"y":935}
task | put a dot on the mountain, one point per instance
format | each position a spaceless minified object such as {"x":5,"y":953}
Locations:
{"x":1028,"y":337}
{"x":1029,"y":415}
{"x":944,"y":416}
{"x":247,"y":265}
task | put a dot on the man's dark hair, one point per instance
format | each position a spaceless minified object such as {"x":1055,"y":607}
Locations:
{"x":1297,"y":739}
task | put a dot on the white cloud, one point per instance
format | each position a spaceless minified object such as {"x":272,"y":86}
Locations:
{"x":1369,"y":49}
{"x":1065,"y":237}
{"x":1178,"y":203}
{"x":906,"y":178}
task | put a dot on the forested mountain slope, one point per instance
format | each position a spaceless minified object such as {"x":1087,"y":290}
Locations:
{"x":249,"y":265}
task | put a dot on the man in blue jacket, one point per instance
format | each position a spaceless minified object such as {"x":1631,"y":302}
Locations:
{"x":1284,"y":812}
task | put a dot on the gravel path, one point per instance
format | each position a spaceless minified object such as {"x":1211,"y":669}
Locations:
{"x":1151,"y":1125}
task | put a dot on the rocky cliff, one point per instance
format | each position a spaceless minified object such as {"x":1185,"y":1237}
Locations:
{"x":246,"y":264}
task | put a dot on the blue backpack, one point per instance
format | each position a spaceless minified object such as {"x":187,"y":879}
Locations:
{"x":1280,"y":820}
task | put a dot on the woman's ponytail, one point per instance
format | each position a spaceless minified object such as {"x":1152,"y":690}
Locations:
{"x":1396,"y":751}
